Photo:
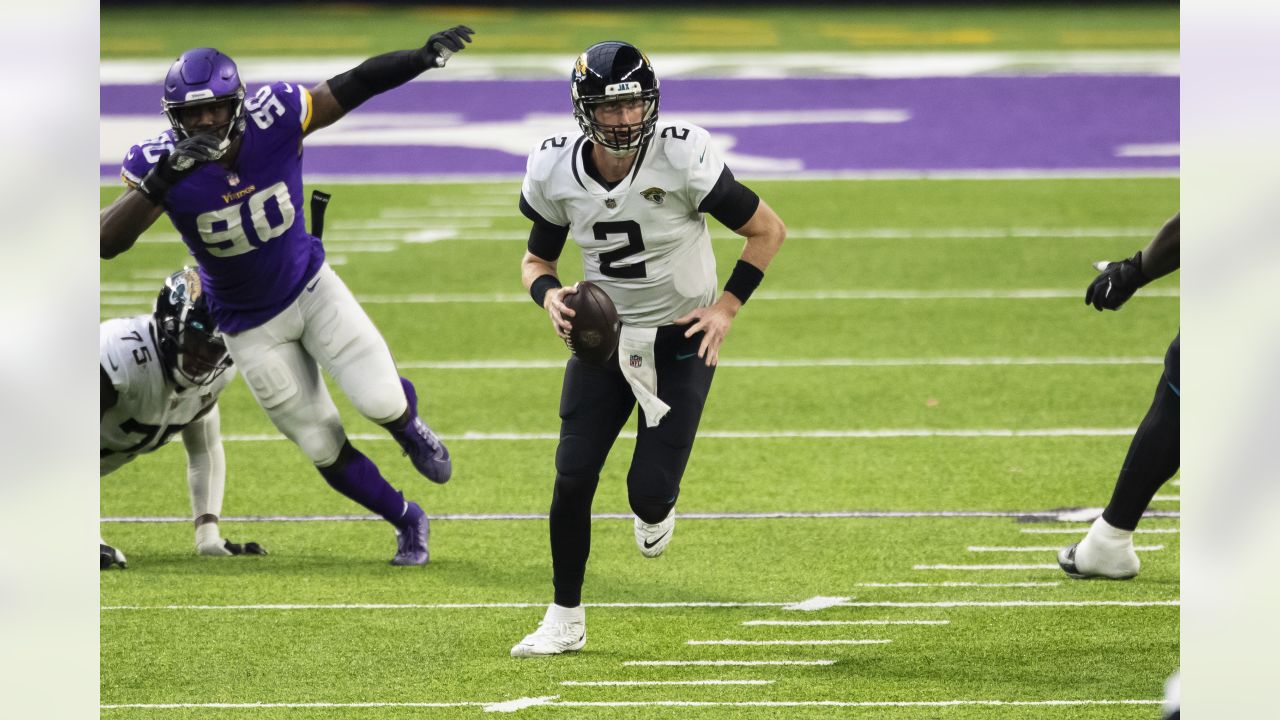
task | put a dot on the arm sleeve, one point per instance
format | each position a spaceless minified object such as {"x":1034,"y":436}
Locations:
{"x":206,"y":463}
{"x":376,"y":75}
{"x":546,"y":239}
{"x":730,"y":202}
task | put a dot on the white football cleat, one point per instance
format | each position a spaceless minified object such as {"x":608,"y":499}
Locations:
{"x":562,"y":630}
{"x":1106,"y":552}
{"x":653,"y":539}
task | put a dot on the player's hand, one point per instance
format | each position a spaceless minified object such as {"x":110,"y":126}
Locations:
{"x":187,"y":155}
{"x":220,"y":547}
{"x":559,"y":312}
{"x":1117,"y":282}
{"x":442,"y":45}
{"x":715,"y":321}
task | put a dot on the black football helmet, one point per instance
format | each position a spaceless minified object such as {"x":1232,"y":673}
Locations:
{"x":608,"y":72}
{"x":191,"y":348}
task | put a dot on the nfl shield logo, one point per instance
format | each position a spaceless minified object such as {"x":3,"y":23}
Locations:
{"x":636,"y":361}
{"x":610,"y":203}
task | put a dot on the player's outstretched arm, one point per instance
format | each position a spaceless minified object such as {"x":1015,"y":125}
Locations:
{"x":1118,"y":281}
{"x":764,"y":232}
{"x":343,"y":93}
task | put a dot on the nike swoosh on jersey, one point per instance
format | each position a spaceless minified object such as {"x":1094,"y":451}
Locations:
{"x":648,"y":545}
{"x":313,"y":285}
{"x":112,"y":363}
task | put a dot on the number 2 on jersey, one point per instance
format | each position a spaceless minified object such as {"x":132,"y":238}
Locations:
{"x":635,"y":244}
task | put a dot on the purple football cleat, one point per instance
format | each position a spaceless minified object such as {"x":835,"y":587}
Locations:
{"x":411,"y":537}
{"x":421,"y":444}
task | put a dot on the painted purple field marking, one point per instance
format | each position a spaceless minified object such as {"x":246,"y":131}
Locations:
{"x":948,"y":124}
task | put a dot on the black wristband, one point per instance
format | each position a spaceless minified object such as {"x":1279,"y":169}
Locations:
{"x":540,"y":286}
{"x":377,"y":75}
{"x":744,"y":280}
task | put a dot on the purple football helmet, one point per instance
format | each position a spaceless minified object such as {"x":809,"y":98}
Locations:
{"x":204,"y":77}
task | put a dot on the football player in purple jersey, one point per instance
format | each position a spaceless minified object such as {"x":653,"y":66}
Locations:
{"x":228,"y":173}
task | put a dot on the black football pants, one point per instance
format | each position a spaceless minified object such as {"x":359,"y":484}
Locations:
{"x":1154,"y":452}
{"x":594,"y":405}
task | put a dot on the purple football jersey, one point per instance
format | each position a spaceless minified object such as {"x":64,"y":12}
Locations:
{"x":245,"y":225}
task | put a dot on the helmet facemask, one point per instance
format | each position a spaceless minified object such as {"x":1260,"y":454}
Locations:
{"x":618,"y":140}
{"x":190,"y":346}
{"x":224,"y":132}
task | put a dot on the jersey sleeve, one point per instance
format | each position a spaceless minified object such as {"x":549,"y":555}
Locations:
{"x":535,"y":201}
{"x":112,"y":357}
{"x":705,"y":166}
{"x":281,"y":110}
{"x":144,"y":156}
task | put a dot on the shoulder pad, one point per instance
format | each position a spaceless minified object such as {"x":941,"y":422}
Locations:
{"x":549,"y":153}
{"x":681,"y":143}
{"x":144,"y":155}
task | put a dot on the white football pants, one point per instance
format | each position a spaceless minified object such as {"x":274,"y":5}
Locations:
{"x":324,"y":326}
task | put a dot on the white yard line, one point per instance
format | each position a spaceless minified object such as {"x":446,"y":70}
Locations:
{"x":959,"y":584}
{"x":640,"y":605}
{"x":643,"y":683}
{"x":1016,"y":603}
{"x":1082,"y":530}
{"x":790,"y":642}
{"x":773,"y":515}
{"x":788,"y":623}
{"x":754,"y":434}
{"x":518,"y":704}
{"x":1167,"y":498}
{"x":723,"y":663}
{"x":1045,"y":548}
{"x":984,"y":567}
{"x":820,"y":602}
{"x":558,"y":363}
{"x":850,"y":704}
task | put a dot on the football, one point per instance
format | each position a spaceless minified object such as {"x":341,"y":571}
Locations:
{"x":594,"y":336}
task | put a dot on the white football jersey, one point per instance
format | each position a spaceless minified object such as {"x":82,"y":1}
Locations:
{"x":644,"y":241}
{"x":149,"y":409}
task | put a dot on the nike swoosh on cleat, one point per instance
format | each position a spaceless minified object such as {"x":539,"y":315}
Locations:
{"x":649,"y":545}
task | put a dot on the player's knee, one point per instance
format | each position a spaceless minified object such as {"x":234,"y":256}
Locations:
{"x":381,"y":402}
{"x":322,"y":443}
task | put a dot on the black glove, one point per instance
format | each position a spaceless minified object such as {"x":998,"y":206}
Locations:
{"x":249,"y":548}
{"x":442,"y":45}
{"x":188,"y":154}
{"x":1117,"y":282}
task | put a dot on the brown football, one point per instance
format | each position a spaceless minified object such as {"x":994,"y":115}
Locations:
{"x":594,"y":336}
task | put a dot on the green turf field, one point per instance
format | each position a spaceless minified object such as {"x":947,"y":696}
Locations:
{"x":355,"y":29}
{"x":895,"y":307}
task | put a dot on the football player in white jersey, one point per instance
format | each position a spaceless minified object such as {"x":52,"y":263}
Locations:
{"x":634,"y":194}
{"x":161,"y":374}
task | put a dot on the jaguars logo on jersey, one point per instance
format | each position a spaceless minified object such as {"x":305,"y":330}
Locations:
{"x":654,"y":195}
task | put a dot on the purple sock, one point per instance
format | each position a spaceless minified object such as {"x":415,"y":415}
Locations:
{"x":355,"y":476}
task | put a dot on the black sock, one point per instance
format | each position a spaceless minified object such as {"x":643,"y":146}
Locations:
{"x":1153,"y":458}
